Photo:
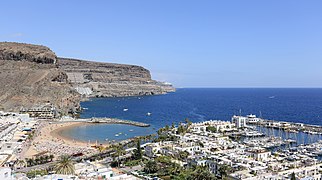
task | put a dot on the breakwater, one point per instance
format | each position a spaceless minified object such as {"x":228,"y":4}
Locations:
{"x":111,"y":121}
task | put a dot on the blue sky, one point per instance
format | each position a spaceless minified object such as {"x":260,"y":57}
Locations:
{"x":189,"y":43}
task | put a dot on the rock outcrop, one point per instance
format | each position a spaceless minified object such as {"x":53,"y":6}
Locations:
{"x":32,"y":75}
{"x":27,"y":52}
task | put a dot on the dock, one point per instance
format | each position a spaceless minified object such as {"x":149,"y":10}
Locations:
{"x":289,"y":126}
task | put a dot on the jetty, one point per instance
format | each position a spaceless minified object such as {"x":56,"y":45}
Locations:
{"x":110,"y":121}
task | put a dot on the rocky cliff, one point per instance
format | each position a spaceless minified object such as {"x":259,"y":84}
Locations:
{"x":111,"y":80}
{"x":32,"y":75}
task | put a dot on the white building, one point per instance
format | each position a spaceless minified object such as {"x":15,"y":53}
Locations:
{"x":5,"y":173}
{"x":239,"y":121}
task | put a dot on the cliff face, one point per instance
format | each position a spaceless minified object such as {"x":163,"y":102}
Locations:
{"x":111,"y":80}
{"x":32,"y":75}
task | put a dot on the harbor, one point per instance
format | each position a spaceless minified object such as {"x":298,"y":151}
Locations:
{"x":286,"y":134}
{"x":286,"y":126}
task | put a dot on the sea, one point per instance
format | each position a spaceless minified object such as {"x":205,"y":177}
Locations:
{"x":303,"y":105}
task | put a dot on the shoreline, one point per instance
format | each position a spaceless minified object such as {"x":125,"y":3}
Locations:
{"x":56,"y":133}
{"x":49,"y":137}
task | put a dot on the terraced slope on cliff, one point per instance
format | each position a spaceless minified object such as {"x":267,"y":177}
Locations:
{"x":32,"y":75}
{"x":111,"y":80}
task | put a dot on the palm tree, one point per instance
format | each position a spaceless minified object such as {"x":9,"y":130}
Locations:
{"x":119,"y":150}
{"x":41,"y":159}
{"x":173,"y":125}
{"x":46,"y":157}
{"x":29,"y":161}
{"x":21,"y":163}
{"x":65,"y":165}
{"x":51,"y":157}
{"x":101,"y":148}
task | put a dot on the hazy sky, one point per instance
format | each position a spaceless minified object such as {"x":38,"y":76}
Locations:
{"x":272,"y":43}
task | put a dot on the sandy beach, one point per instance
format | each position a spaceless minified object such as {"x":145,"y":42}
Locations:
{"x":48,"y":138}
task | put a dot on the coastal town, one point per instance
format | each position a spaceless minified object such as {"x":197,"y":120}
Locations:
{"x":161,"y":90}
{"x":247,"y":147}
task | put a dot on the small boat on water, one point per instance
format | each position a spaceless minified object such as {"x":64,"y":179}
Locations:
{"x":131,"y":130}
{"x":125,"y":109}
{"x":148,"y":114}
{"x":116,"y":135}
{"x":271,"y":97}
{"x":313,"y":132}
{"x":292,"y":131}
{"x":290,"y":141}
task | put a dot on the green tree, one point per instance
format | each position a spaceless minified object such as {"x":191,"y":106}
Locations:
{"x":224,"y":170}
{"x":183,"y":155}
{"x":293,"y":177}
{"x":138,"y":151}
{"x":65,"y":165}
{"x":167,"y":128}
{"x":195,"y":173}
{"x":151,"y":167}
{"x":201,"y":173}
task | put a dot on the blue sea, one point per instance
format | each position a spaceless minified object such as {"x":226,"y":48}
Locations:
{"x":294,"y":105}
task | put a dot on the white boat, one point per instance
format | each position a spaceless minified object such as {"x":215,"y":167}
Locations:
{"x":125,"y":109}
{"x":290,"y":141}
{"x":148,"y":114}
{"x":116,"y":134}
{"x":293,"y":131}
{"x":131,"y":130}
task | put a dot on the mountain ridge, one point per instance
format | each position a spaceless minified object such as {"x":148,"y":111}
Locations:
{"x":32,"y":75}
